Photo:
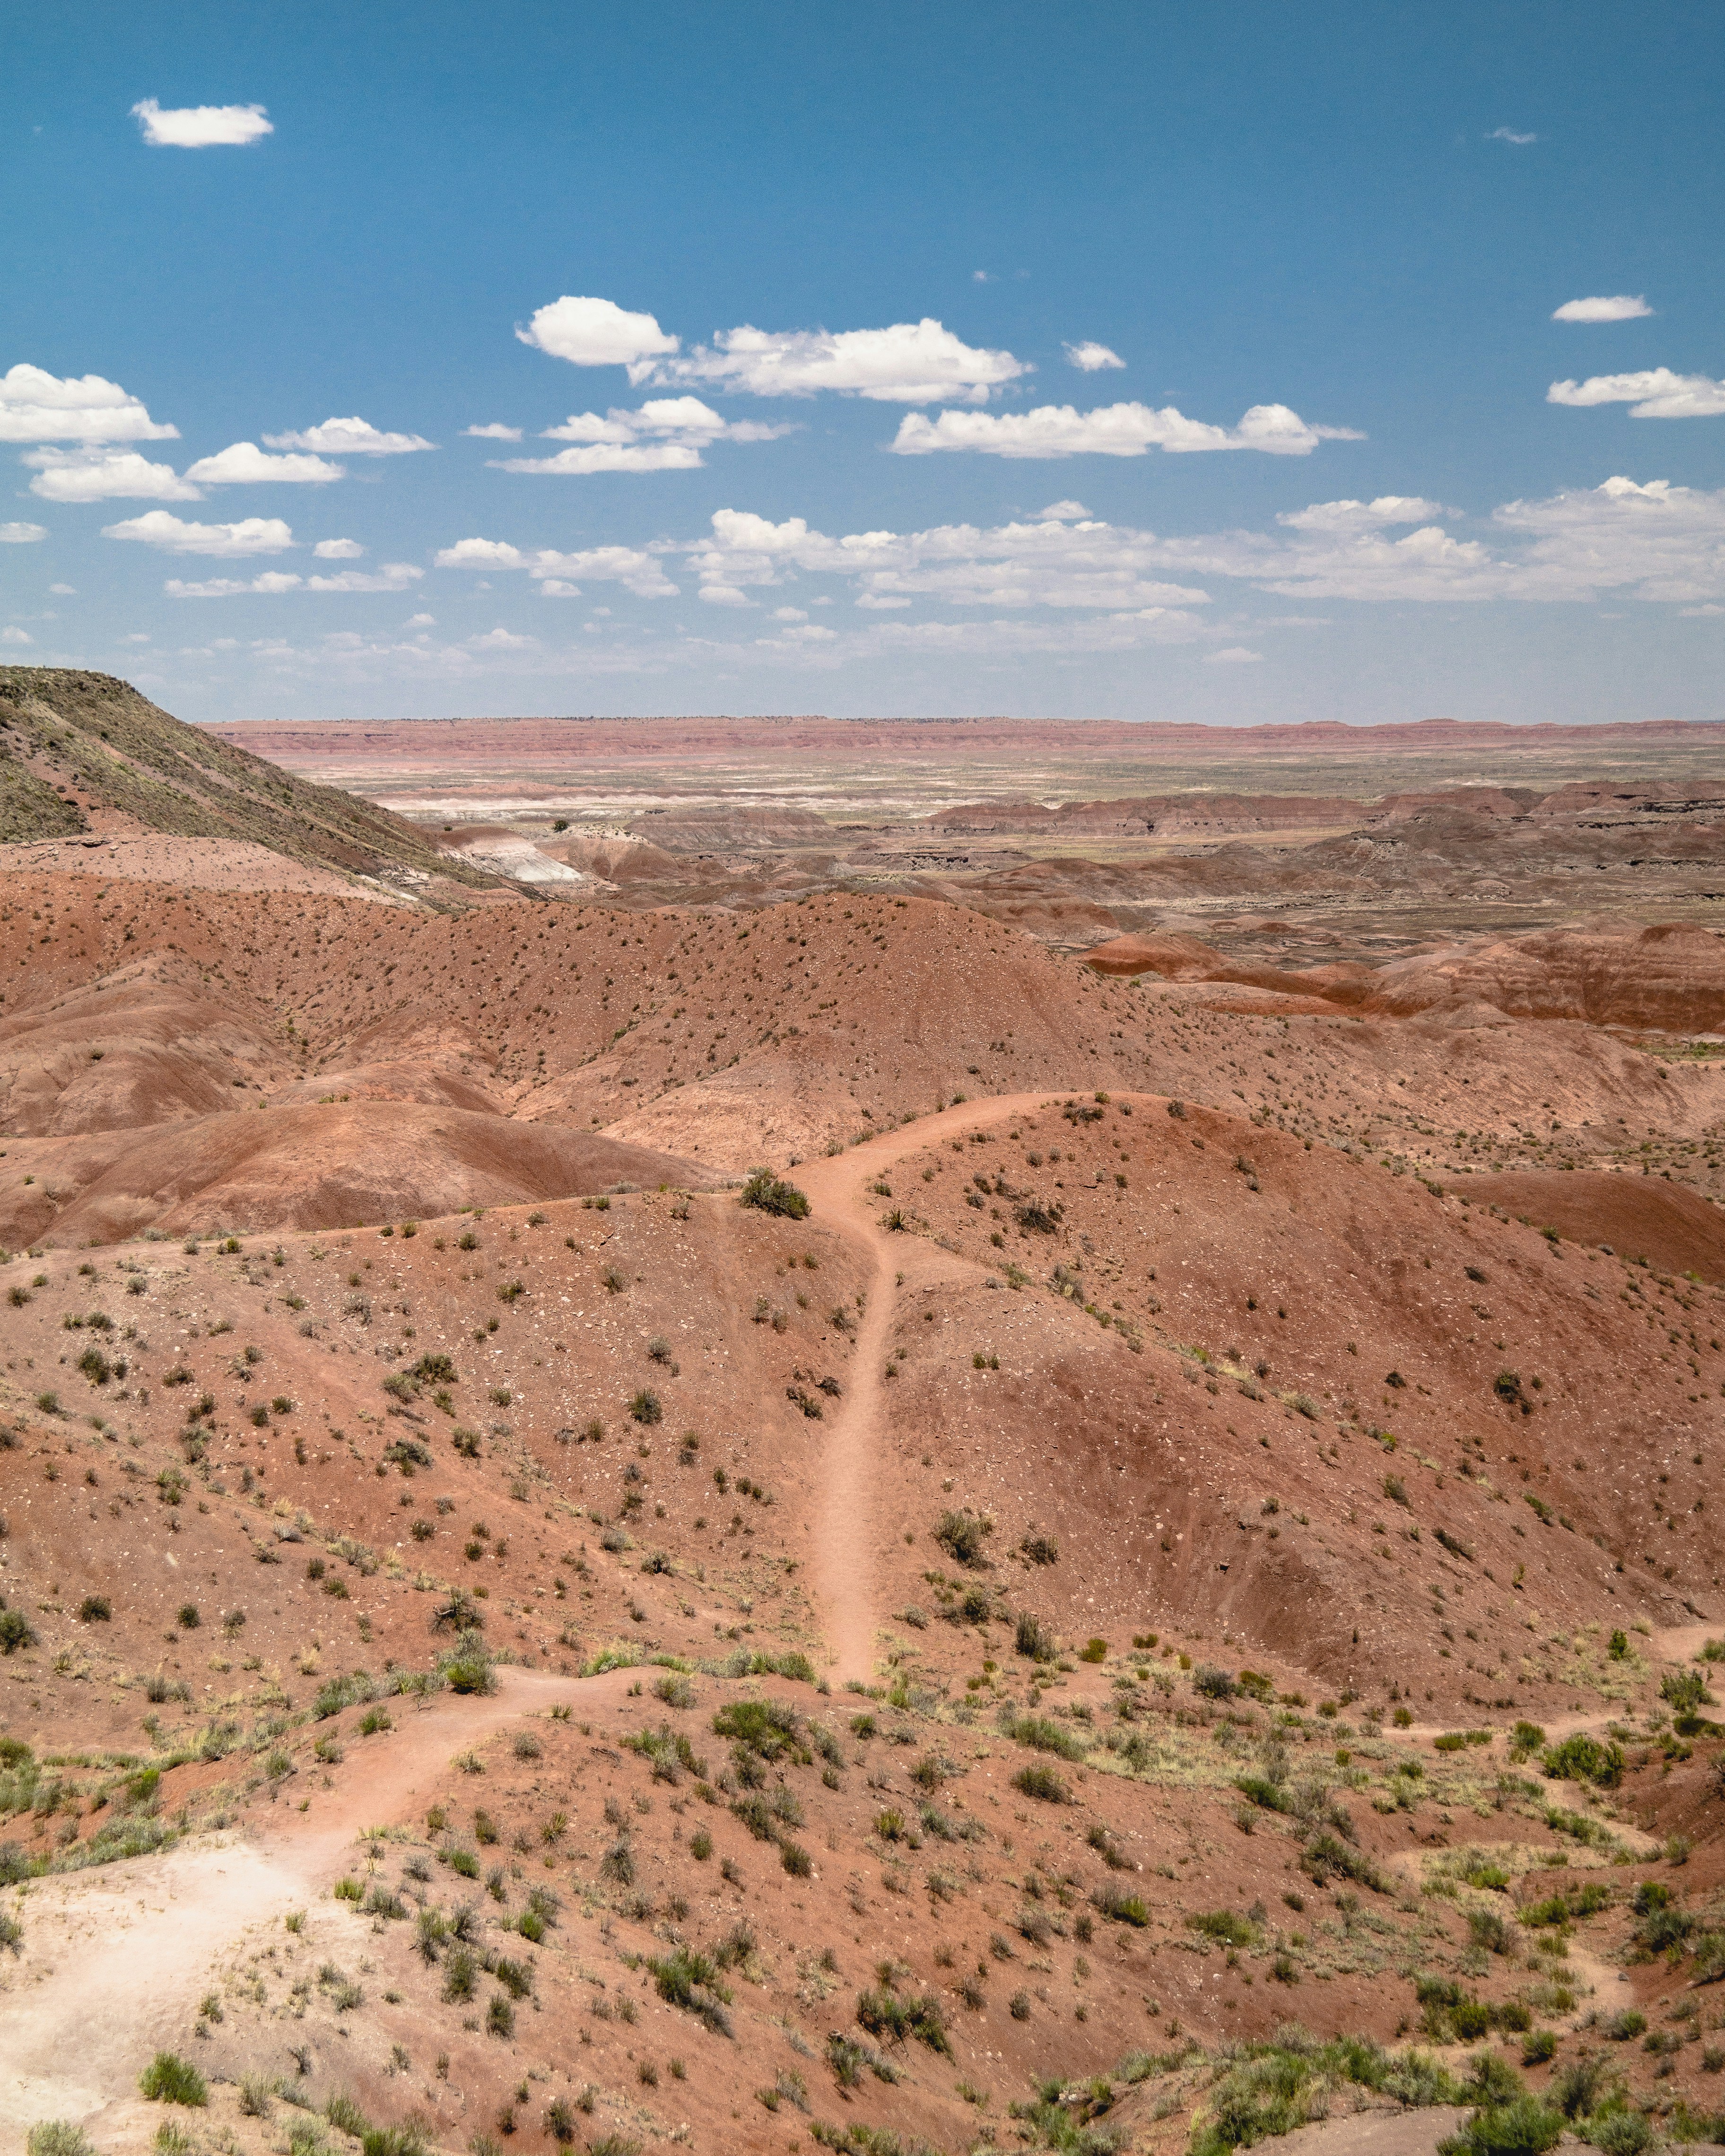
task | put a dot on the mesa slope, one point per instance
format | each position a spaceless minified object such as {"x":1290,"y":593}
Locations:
{"x":703,"y":1674}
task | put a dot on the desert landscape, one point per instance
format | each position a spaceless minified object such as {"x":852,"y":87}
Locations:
{"x":707,"y":1439}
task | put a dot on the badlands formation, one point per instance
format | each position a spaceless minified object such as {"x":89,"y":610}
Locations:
{"x":825,"y":1496}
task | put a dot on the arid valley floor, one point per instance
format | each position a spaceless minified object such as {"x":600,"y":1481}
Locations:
{"x":707,"y":1439}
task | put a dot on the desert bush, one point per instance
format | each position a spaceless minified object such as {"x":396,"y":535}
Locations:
{"x":883,"y":2013}
{"x":1114,"y":1900}
{"x":689,"y":1979}
{"x":1584,"y":1758}
{"x":1042,"y":1735}
{"x":1043,"y":1783}
{"x":768,"y":1193}
{"x":57,"y":2137}
{"x":1526,"y":2127}
{"x":170,"y":2079}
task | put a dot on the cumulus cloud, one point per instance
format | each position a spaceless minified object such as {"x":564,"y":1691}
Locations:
{"x":1653,"y":542}
{"x":159,"y":527}
{"x":106,"y":475}
{"x":1654,"y":393}
{"x":272,"y":581}
{"x":36,"y":406}
{"x":392,"y":577}
{"x":1091,"y":358}
{"x":202,"y":127}
{"x":21,"y":535}
{"x":556,"y":574}
{"x":16,"y":636}
{"x":1362,"y":516}
{"x":494,"y":431}
{"x":590,"y":332}
{"x":244,"y":463}
{"x":1509,"y":134}
{"x":1234,"y":654}
{"x":1110,"y":430}
{"x":349,"y":438}
{"x":666,"y":433}
{"x":1013,"y":565}
{"x":1620,"y":307}
{"x":907,"y":363}
{"x":338,"y":550}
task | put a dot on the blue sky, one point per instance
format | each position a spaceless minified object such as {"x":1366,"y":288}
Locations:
{"x":1135,"y":361}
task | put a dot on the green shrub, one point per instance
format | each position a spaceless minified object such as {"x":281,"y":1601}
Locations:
{"x":170,"y":2079}
{"x":1042,"y":1735}
{"x":768,"y":1193}
{"x":883,"y":2013}
{"x":1584,"y":1758}
{"x":1525,"y":2128}
{"x":961,"y":1536}
{"x":1043,"y":1783}
{"x":58,"y":2137}
{"x":689,"y":1979}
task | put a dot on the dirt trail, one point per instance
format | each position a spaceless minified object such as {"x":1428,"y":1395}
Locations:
{"x":117,"y":1958}
{"x":844,"y":1532}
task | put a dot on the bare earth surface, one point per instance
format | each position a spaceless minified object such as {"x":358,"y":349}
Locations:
{"x":1176,"y":1523}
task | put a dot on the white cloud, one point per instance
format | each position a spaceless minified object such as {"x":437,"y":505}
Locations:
{"x":984,"y":277}
{"x":666,"y":433}
{"x":270,"y":583}
{"x":349,"y":438}
{"x":1091,"y":358}
{"x":21,"y":535}
{"x":104,"y":475}
{"x":338,"y":550}
{"x":907,"y":363}
{"x":556,"y":574}
{"x":591,"y":333}
{"x":1234,"y":654}
{"x":1654,"y":393}
{"x":1063,"y":512}
{"x":496,"y":431}
{"x":1362,"y":516}
{"x":64,"y":591}
{"x":201,"y":126}
{"x":38,"y":407}
{"x":501,"y":639}
{"x":608,"y":457}
{"x":728,"y":595}
{"x":1620,"y":307}
{"x":15,"y":636}
{"x":392,"y":577}
{"x":158,"y":527}
{"x":422,"y":621}
{"x":244,"y":463}
{"x":1509,"y":134}
{"x":1012,"y":566}
{"x":1112,"y":431}
{"x":789,"y":614}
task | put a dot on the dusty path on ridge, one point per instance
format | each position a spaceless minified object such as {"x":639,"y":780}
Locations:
{"x":117,"y":1957}
{"x":844,"y":1529}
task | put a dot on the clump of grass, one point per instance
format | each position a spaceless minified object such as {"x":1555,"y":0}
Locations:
{"x":170,"y":2079}
{"x":768,"y":1193}
{"x":58,"y":2137}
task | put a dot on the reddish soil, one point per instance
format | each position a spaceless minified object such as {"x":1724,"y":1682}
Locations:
{"x":1163,"y":1431}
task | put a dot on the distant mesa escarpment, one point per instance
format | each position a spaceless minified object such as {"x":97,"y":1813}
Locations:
{"x":1669,"y":978}
{"x":83,"y":754}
